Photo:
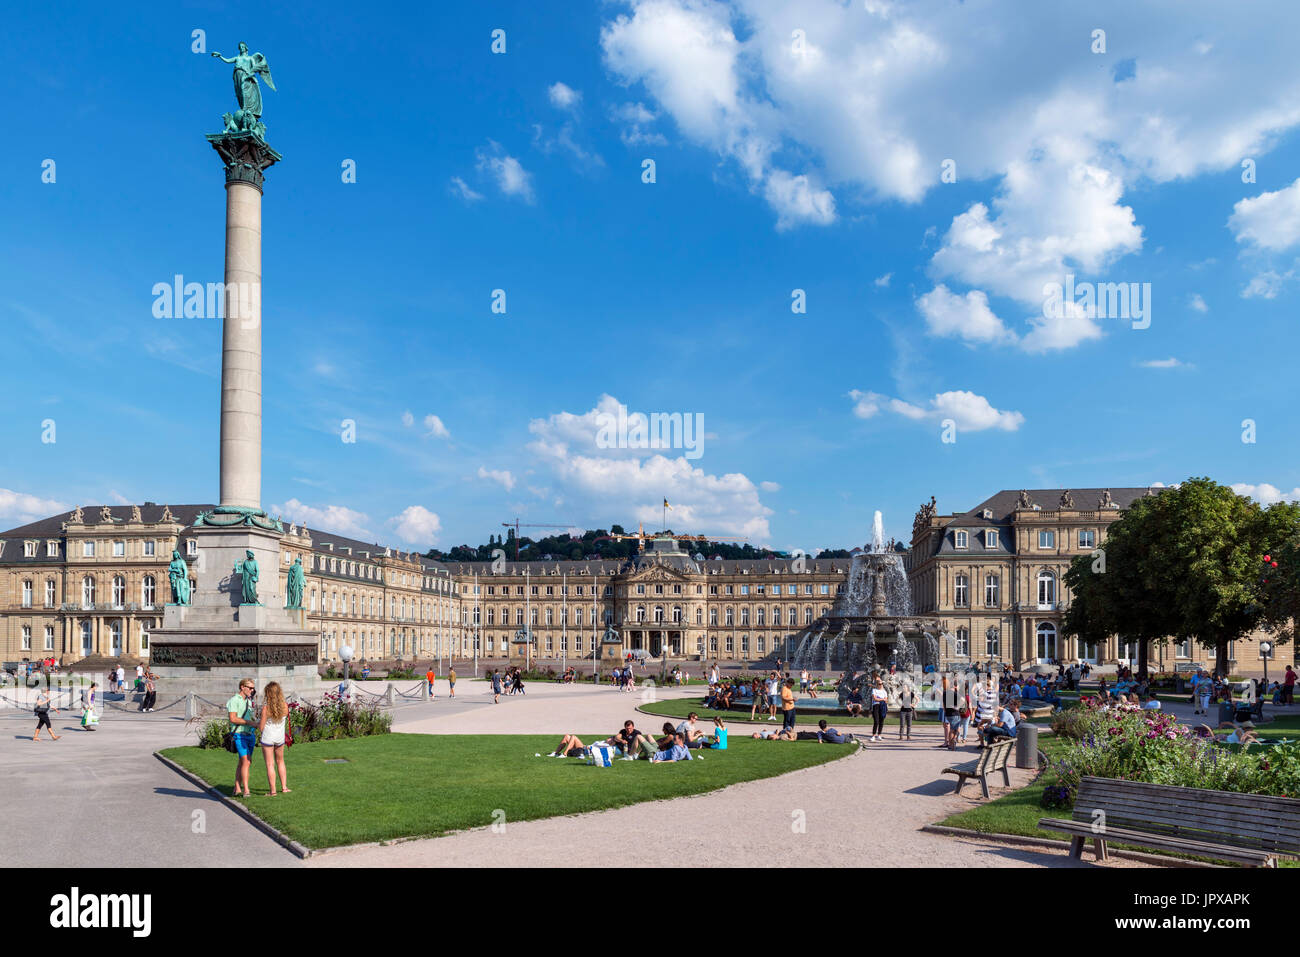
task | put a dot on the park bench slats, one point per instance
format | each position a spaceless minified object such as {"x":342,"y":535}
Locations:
{"x":990,"y":760}
{"x":1244,"y":828}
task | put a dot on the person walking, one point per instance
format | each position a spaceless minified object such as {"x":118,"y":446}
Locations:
{"x":89,"y":720}
{"x":150,"y":693}
{"x":1288,"y":686}
{"x":496,"y":686}
{"x":243,"y":722}
{"x":773,"y":695}
{"x":121,"y":678}
{"x":43,"y":708}
{"x":451,"y":681}
{"x":430,"y":677}
{"x":272,"y":726}
{"x":879,"y":707}
{"x":948,"y":701}
{"x":787,"y":705}
{"x":906,"y":710}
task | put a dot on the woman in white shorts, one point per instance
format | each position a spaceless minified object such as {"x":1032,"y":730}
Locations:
{"x":273,"y":730}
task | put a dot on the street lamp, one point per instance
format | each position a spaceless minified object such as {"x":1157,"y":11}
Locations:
{"x":1266,"y":649}
{"x":345,"y":654}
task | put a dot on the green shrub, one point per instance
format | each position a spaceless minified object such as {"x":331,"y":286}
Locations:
{"x":401,"y":674}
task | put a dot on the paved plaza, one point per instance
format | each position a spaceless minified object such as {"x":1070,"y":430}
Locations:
{"x":102,"y":799}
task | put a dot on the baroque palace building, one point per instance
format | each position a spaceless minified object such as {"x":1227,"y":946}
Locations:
{"x":995,"y":573}
{"x":92,"y":584}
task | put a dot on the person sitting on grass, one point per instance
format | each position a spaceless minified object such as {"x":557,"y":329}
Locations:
{"x":672,"y":747}
{"x":827,"y":735}
{"x":625,"y":740}
{"x":571,"y":746}
{"x":719,"y":737}
{"x":691,"y":736}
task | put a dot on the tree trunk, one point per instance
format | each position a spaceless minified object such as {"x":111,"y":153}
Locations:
{"x":1144,"y":652}
{"x":1221,"y":656}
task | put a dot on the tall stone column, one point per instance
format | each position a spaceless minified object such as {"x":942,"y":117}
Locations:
{"x":246,"y":159}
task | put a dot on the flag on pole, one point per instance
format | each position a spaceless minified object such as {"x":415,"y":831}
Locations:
{"x":667,"y":506}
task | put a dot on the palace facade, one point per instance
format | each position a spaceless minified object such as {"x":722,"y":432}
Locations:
{"x":92,"y":584}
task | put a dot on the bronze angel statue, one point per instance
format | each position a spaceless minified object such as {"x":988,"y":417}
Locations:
{"x":247,"y":92}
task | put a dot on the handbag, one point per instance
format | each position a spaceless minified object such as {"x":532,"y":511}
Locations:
{"x":228,"y":742}
{"x":288,"y":734}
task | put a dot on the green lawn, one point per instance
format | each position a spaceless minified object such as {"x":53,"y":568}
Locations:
{"x":416,"y":785}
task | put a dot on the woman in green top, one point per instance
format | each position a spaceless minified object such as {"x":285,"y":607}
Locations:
{"x":243,"y":723}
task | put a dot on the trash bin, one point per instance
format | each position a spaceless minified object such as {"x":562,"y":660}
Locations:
{"x":1027,"y":746}
{"x":1227,"y":712}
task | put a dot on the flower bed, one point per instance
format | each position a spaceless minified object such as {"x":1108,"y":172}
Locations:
{"x":330,"y":720}
{"x":1152,"y":746}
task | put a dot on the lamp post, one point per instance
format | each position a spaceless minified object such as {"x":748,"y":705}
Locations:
{"x":1266,"y":649}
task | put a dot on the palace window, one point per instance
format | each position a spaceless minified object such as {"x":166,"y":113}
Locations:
{"x":1087,"y":538}
{"x":744,"y":646}
{"x":1046,"y":590}
{"x":793,"y":617}
{"x":87,"y":549}
{"x":993,"y":642}
{"x":49,"y":637}
{"x":119,"y":549}
{"x":713,"y":644}
{"x":677,"y":614}
{"x":699,"y":616}
{"x":759,"y":617}
{"x":991,"y":538}
{"x":959,"y":539}
{"x":961,"y":591}
{"x":807,"y":614}
{"x":744,"y":589}
{"x":731,"y":645}
{"x":990,"y":591}
{"x":550,"y":616}
{"x":52,"y":550}
{"x":760,"y":646}
{"x":50,"y":592}
{"x":807,"y":589}
{"x":730,"y":616}
{"x":519,"y":616}
{"x":119,"y":591}
{"x":88,"y":592}
{"x":744,"y":616}
{"x":826,"y":589}
{"x":115,"y":635}
{"x":191,"y":548}
{"x":713,"y":616}
{"x":963,"y":642}
{"x":27,"y":594}
{"x":147,"y":591}
{"x":27,"y":637}
{"x":1183,"y":649}
{"x":534,"y":617}
{"x":29,"y":551}
{"x":640,"y":589}
{"x":1047,"y":539}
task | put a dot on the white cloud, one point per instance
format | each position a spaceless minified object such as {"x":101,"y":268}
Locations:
{"x":634,"y":117}
{"x":1266,"y":494}
{"x":883,"y":281}
{"x":408,"y":419}
{"x":20,"y":508}
{"x":635,"y":481}
{"x":1265,"y":285}
{"x":966,"y":317}
{"x":417,"y":525}
{"x":769,"y":486}
{"x":1170,"y":363}
{"x":328,"y":518}
{"x":1270,"y":220}
{"x":563,"y":96}
{"x":503,"y":476}
{"x":970,"y":412}
{"x":796,"y":200}
{"x":1064,"y":331}
{"x":434,"y":427}
{"x":1197,"y":304}
{"x":462,"y":189}
{"x":117,"y":498}
{"x":511,"y":178}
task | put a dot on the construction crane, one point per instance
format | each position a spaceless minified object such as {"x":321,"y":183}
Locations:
{"x":642,"y":535}
{"x":517,"y":525}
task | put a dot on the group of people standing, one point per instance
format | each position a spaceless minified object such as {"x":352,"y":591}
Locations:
{"x":511,"y":681}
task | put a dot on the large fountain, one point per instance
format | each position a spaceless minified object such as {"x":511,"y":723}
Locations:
{"x":871,"y":626}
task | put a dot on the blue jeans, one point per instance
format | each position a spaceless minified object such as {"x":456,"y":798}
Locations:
{"x":995,"y":731}
{"x":787,"y":720}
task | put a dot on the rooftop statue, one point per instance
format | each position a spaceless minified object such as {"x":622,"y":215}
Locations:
{"x":248,"y":118}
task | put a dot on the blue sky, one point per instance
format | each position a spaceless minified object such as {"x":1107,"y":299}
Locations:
{"x":796,"y":147}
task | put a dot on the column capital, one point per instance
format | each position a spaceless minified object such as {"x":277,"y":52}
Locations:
{"x":246,"y":157}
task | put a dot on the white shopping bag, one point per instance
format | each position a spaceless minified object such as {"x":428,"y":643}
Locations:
{"x":601,"y":755}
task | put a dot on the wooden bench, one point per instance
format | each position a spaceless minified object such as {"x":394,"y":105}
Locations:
{"x":991,"y":759}
{"x":1253,"y":829}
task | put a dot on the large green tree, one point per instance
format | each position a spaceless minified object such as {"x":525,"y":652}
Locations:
{"x":1186,"y":562}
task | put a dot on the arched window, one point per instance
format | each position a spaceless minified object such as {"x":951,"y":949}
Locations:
{"x":713,"y":616}
{"x":677,"y":614}
{"x":659,"y":614}
{"x":1046,"y":642}
{"x":793,"y":617}
{"x":115,"y":632}
{"x":550,"y":616}
{"x":87,"y":636}
{"x":119,"y":591}
{"x":699,"y":616}
{"x":148,"y":591}
{"x":88,"y":592}
{"x":807,"y":614}
{"x":640,"y":613}
{"x":760,"y":617}
{"x":1046,"y":590}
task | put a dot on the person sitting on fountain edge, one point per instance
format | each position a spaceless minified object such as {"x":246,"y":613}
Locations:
{"x":854,"y":702}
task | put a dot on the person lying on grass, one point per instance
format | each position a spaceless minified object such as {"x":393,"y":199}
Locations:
{"x":827,"y":735}
{"x":774,"y":735}
{"x":571,"y":746}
